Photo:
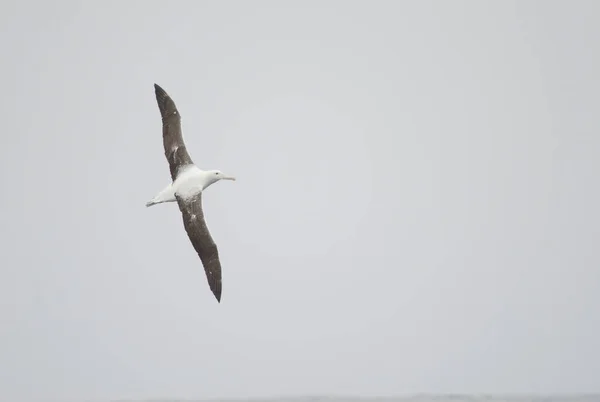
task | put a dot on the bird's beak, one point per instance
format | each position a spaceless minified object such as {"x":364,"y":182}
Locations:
{"x":228,"y":178}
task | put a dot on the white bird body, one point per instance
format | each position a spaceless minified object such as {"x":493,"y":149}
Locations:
{"x":191,"y":181}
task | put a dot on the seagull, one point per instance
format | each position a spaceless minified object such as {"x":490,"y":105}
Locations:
{"x":188,"y":182}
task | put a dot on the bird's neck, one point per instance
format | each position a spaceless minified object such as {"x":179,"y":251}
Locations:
{"x":207,"y":179}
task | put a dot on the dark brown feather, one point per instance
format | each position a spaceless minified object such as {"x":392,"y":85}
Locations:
{"x":197,"y":230}
{"x":175,"y":150}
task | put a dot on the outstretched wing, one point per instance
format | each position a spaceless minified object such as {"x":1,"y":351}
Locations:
{"x":175,"y":150}
{"x":197,"y":230}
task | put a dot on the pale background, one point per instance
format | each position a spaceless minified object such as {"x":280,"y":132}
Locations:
{"x":417,"y":204}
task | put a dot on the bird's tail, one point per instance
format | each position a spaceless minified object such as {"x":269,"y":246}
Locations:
{"x":166,"y":195}
{"x":157,"y":200}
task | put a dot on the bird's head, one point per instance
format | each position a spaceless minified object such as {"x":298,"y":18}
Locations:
{"x":216,"y":175}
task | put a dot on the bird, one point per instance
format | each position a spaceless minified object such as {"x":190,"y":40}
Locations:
{"x":188,"y":183}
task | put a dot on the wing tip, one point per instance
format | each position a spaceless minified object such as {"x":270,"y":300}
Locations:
{"x":217,"y":293}
{"x":160,"y":92}
{"x":165,"y":103}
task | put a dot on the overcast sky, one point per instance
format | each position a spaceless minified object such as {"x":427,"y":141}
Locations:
{"x":417,"y":204}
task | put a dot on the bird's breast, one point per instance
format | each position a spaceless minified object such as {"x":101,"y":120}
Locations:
{"x":189,"y":183}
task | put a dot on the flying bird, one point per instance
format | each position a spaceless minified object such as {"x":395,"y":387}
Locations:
{"x":188,"y":183}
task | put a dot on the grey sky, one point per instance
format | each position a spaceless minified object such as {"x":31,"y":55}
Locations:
{"x":416,"y":207}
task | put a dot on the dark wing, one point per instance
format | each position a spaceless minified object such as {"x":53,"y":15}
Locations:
{"x":195,"y":226}
{"x":175,"y":150}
